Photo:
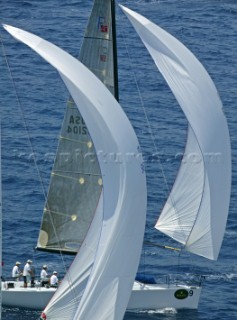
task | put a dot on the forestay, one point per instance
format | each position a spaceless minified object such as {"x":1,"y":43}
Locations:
{"x":196,"y":211}
{"x":124,"y":189}
{"x":66,"y":218}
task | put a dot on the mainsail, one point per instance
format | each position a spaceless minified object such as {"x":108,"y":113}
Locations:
{"x":196,"y":211}
{"x":110,"y":283}
{"x":67,"y":217}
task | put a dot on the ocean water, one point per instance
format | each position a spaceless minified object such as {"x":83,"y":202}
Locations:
{"x":32,"y":96}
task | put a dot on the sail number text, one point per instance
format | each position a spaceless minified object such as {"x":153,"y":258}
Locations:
{"x":76,"y":125}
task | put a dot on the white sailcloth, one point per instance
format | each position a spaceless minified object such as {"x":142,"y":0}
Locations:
{"x":66,"y":299}
{"x":196,"y":211}
{"x":124,"y":189}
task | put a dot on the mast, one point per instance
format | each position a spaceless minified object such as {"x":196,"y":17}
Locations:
{"x":114,"y":37}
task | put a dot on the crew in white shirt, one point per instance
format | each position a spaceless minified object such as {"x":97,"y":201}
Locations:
{"x":16,"y":272}
{"x":54,"y":279}
{"x":44,"y":277}
{"x":27,"y":273}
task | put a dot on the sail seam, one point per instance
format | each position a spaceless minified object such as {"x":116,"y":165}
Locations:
{"x":79,"y":172}
{"x":97,"y":38}
{"x":73,"y":140}
{"x":67,"y":177}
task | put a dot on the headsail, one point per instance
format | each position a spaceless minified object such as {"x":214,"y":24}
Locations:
{"x":197,"y":208}
{"x":124,"y":188}
{"x":66,"y":219}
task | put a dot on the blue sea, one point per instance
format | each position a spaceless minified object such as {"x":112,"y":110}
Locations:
{"x":32,"y":104}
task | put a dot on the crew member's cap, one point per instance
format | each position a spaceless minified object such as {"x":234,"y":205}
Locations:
{"x":55,"y":272}
{"x":18,"y":263}
{"x":29,"y":261}
{"x":45,"y":266}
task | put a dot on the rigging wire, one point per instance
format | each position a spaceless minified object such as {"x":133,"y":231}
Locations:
{"x":146,"y":115}
{"x":22,"y":115}
{"x":28,"y":136}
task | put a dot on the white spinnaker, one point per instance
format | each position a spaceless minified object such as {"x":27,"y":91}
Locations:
{"x":199,"y":100}
{"x":124,"y":187}
{"x":66,"y":299}
{"x":179,"y":214}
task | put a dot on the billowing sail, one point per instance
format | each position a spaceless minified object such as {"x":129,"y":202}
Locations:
{"x":109,"y":286}
{"x":196,"y":211}
{"x":66,"y":218}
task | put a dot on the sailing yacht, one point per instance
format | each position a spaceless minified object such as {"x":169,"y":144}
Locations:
{"x":98,"y":284}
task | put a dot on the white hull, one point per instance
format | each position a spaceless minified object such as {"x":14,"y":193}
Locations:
{"x":143,"y":297}
{"x":156,"y":296}
{"x":29,"y":298}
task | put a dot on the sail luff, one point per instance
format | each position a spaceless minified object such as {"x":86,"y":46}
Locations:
{"x":200,"y":102}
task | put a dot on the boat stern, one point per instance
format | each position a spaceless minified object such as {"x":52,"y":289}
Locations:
{"x":154,"y":296}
